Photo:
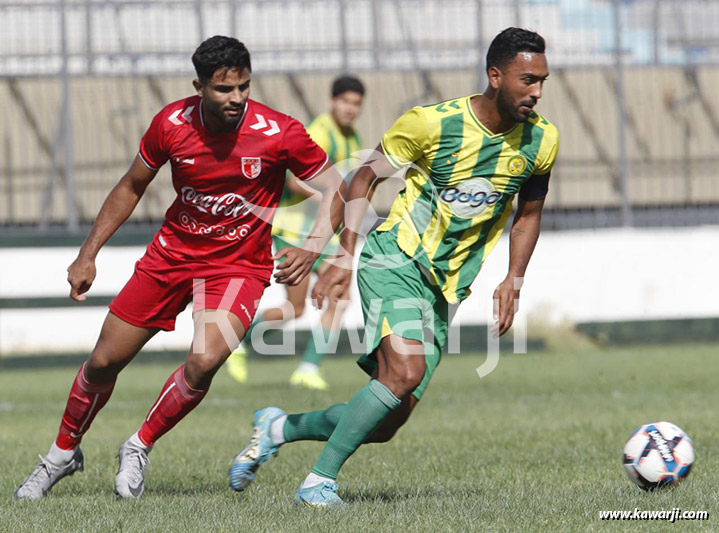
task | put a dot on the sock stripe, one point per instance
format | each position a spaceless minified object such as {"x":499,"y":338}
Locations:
{"x":87,"y":418}
{"x":159,"y":401}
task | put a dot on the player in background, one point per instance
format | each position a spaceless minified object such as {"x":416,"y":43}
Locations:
{"x":469,"y":157}
{"x":229,"y":156}
{"x":334,"y":132}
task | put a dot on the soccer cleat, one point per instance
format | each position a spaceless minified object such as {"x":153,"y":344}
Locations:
{"x":237,"y":364}
{"x":308,"y":379}
{"x":322,"y":495}
{"x":130,"y":478}
{"x":45,"y":475}
{"x":260,"y":449}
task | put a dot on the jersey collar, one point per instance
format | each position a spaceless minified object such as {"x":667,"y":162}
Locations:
{"x":481,"y":126}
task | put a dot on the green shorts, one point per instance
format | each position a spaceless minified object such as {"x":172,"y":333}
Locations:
{"x":398,"y":299}
{"x":329,"y":251}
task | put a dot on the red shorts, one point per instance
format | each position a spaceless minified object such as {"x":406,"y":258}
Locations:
{"x":161,"y":287}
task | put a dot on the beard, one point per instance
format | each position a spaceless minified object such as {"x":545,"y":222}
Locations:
{"x":227,"y":120}
{"x":507,"y":109}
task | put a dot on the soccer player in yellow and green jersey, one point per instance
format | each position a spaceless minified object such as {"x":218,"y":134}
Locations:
{"x":466,"y":159}
{"x":334,"y":132}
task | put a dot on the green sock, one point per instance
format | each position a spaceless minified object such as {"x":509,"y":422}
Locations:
{"x":315,"y":425}
{"x":311,"y":355}
{"x":364,"y":412}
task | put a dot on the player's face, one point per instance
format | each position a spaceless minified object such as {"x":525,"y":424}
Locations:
{"x":520,"y":86}
{"x":224,"y":98}
{"x":345,"y":108}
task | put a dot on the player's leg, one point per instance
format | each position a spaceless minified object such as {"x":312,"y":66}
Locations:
{"x":216,"y":331}
{"x":307,"y":375}
{"x":401,"y":370}
{"x":319,"y":425}
{"x":292,"y":308}
{"x":272,"y":428}
{"x":401,"y":311}
{"x":117,"y":344}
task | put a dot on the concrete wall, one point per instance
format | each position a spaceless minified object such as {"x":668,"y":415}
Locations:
{"x":613,"y":275}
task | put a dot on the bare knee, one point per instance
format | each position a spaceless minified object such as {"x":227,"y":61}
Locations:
{"x":200,"y":368}
{"x":402,"y":379}
{"x":104,"y":364}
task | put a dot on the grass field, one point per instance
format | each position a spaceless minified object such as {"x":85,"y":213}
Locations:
{"x":534,"y":446}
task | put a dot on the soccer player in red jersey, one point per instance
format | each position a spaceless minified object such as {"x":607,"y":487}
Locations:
{"x":229,"y":156}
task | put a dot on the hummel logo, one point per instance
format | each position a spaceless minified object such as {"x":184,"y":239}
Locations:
{"x":185,"y":114}
{"x":262,"y":124}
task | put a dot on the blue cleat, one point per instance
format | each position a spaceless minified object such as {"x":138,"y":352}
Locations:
{"x":260,"y":449}
{"x":321,"y":495}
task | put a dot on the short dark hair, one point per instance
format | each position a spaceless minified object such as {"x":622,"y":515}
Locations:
{"x":345,"y":84}
{"x":509,"y":43}
{"x":220,"y":52}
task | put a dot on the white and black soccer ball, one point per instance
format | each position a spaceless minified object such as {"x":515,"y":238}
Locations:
{"x":658,"y":455}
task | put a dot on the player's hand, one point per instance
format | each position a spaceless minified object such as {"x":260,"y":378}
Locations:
{"x":294,"y":264}
{"x":80,"y":275}
{"x":506,"y":304}
{"x":334,"y":281}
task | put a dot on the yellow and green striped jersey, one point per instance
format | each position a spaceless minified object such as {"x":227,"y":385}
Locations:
{"x":339,"y":147}
{"x":294,"y":223}
{"x":460,"y":184}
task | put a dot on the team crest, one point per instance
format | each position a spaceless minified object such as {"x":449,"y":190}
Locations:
{"x":516,"y":165}
{"x":251,"y":167}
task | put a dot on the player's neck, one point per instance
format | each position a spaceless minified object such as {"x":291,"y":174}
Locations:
{"x":346,"y":131}
{"x":485,"y":109}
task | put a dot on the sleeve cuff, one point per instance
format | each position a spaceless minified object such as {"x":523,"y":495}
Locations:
{"x":148,"y":165}
{"x":327,"y":158}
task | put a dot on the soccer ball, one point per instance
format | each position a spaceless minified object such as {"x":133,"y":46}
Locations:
{"x":658,"y":455}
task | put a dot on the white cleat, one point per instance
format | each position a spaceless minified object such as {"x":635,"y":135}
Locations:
{"x":130,"y":478}
{"x":45,"y":475}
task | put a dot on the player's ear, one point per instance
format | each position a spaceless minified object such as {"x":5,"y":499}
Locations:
{"x":197,"y":84}
{"x":494,"y":76}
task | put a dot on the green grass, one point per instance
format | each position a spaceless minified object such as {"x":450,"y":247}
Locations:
{"x":534,"y":446}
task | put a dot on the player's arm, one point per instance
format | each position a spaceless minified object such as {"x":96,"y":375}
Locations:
{"x":297,"y":186}
{"x":361,"y":189}
{"x":117,"y":207}
{"x":522,"y":240}
{"x":297,"y":262}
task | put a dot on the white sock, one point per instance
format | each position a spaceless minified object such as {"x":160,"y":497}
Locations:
{"x":57,"y":456}
{"x":135,"y":442}
{"x":276,"y":430}
{"x":313,"y":479}
{"x":307,"y":367}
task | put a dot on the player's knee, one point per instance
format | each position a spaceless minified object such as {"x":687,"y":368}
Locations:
{"x":406,"y":378}
{"x":104,"y":362}
{"x":201,"y":366}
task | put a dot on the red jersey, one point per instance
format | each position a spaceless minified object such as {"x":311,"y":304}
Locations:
{"x":228,"y":184}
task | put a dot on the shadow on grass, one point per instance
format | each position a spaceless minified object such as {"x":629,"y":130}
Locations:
{"x":389,"y":495}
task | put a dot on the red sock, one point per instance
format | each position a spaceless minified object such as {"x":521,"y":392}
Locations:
{"x":176,"y":400}
{"x":85,"y":400}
